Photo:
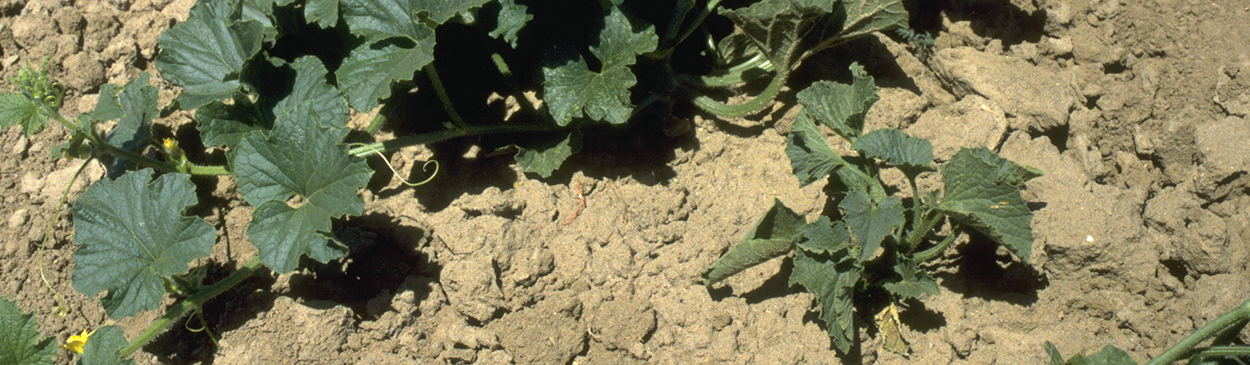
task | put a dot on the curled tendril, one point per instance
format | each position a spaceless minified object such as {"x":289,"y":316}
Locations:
{"x":37,"y":85}
{"x":424,"y":167}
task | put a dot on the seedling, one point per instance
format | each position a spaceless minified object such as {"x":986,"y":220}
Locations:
{"x":877,"y":240}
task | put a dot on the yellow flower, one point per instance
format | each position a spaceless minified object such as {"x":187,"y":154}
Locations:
{"x":170,"y":144}
{"x":75,"y":343}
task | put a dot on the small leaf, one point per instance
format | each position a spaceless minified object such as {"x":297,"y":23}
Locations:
{"x":823,"y":237}
{"x":870,"y":222}
{"x":841,"y":107}
{"x":1109,"y":355}
{"x":572,"y":89}
{"x":774,"y":235}
{"x":132,"y":232}
{"x":891,"y":331}
{"x":512,"y":18}
{"x":103,"y":346}
{"x":223,"y":125}
{"x":369,"y":71}
{"x":20,"y":340}
{"x":323,"y":12}
{"x":789,"y":31}
{"x":913,"y":283}
{"x":832,"y":279}
{"x":981,"y":191}
{"x":206,"y":53}
{"x":897,"y":149}
{"x":544,"y":158}
{"x":810,"y":155}
{"x":16,"y":108}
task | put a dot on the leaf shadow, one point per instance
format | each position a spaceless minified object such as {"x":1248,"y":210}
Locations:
{"x":375,"y":269}
{"x":983,"y":269}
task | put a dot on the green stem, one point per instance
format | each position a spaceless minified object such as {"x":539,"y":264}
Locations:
{"x":1213,"y":328}
{"x":103,"y":145}
{"x":736,"y":74}
{"x":936,"y":251}
{"x":698,"y":20}
{"x":401,"y":142}
{"x":674,"y":24}
{"x":927,"y":223}
{"x":1221,"y":352}
{"x":734,"y":111}
{"x":192,"y":303}
{"x":442,"y":95}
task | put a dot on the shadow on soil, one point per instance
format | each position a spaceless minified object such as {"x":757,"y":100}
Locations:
{"x":383,"y":254}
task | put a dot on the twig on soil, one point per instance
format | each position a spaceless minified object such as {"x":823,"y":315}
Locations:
{"x":581,"y":199}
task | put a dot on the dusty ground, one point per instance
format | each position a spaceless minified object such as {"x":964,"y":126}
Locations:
{"x":1135,"y":110}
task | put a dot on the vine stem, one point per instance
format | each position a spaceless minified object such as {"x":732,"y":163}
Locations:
{"x":734,"y":111}
{"x":192,"y":303}
{"x":61,"y":309}
{"x":1186,"y":346}
{"x":103,"y":146}
{"x":363,"y":150}
{"x":442,"y":95}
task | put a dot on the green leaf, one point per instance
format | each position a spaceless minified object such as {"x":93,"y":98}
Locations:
{"x":774,"y":235}
{"x":898,"y":149}
{"x":101,"y":348}
{"x":870,"y":222}
{"x":832,"y":279}
{"x":790,"y":30}
{"x":543,"y":159}
{"x":1109,"y":355}
{"x":206,"y":53}
{"x":311,"y":98}
{"x":301,"y":157}
{"x":20,"y":340}
{"x":867,"y":16}
{"x":369,"y":71}
{"x":323,"y":12}
{"x":512,"y":18}
{"x":573,"y":89}
{"x":841,"y":107}
{"x":131,"y":232}
{"x":138,"y":103}
{"x":224,"y":125}
{"x":913,"y":283}
{"x":378,"y":20}
{"x":981,"y":191}
{"x":810,"y":155}
{"x":824,"y":237}
{"x":16,"y":108}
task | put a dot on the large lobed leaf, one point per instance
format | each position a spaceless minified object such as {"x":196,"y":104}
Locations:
{"x":20,"y":340}
{"x":573,"y":90}
{"x":832,"y":278}
{"x":131,"y":233}
{"x":206,"y":53}
{"x":982,"y":190}
{"x":367,"y":73}
{"x":300,"y":157}
{"x":774,"y":235}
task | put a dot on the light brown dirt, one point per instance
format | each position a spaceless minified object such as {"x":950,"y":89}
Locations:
{"x":1135,"y":110}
